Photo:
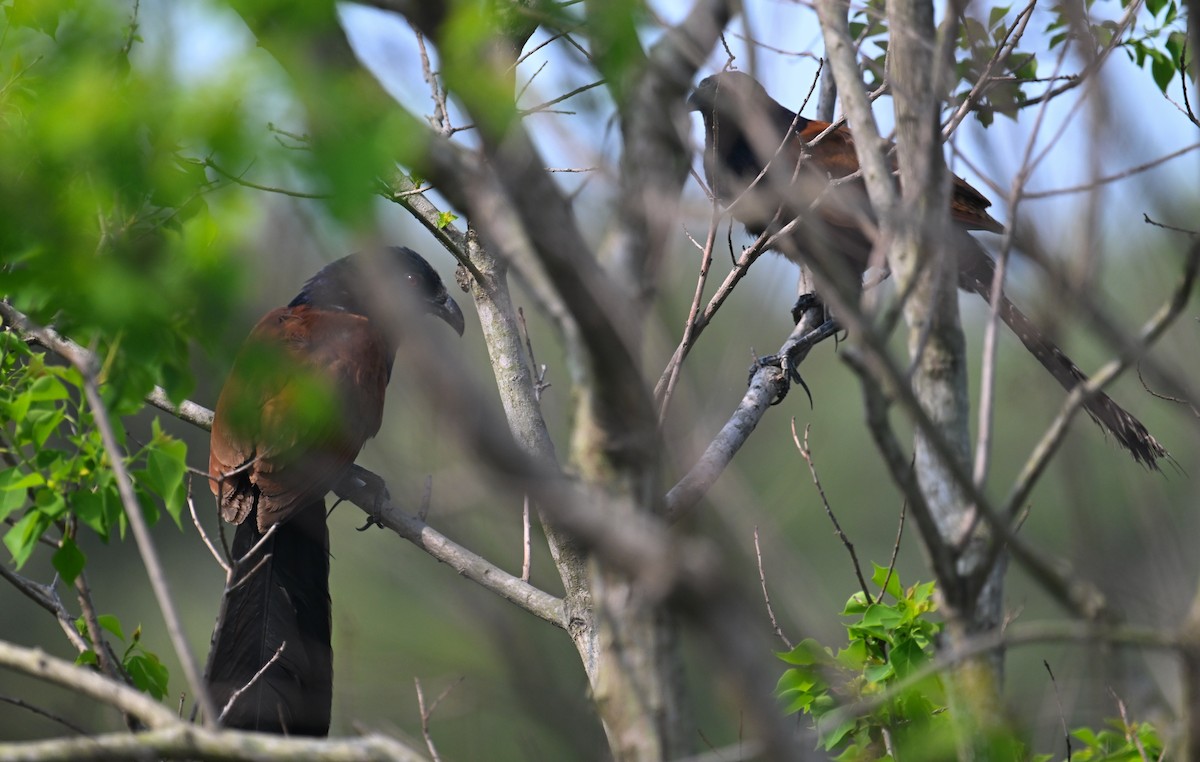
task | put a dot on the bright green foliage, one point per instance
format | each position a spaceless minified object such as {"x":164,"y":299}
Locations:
{"x":1120,"y":742}
{"x":143,"y":667}
{"x":890,"y":639}
{"x":56,"y":465}
{"x":108,"y":231}
{"x":889,"y":644}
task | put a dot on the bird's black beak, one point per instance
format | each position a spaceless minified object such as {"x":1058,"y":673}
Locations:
{"x":447,"y":309}
{"x":693,"y":101}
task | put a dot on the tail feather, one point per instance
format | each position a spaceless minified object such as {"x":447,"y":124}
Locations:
{"x":282,"y":602}
{"x":976,"y":274}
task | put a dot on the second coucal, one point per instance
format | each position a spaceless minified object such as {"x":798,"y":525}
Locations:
{"x":305,"y":393}
{"x":759,"y":164}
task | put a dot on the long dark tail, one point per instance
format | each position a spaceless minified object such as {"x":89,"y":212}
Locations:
{"x":976,"y":271}
{"x":284,"y":602}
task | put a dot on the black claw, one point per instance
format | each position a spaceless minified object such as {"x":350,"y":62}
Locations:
{"x":372,"y":521}
{"x":790,"y":375}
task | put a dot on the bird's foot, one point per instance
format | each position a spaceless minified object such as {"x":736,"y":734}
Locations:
{"x":377,"y":487}
{"x":792,"y":354}
{"x":791,"y":374}
{"x":804,"y":303}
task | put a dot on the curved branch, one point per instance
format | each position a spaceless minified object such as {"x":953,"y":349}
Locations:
{"x":37,"y":663}
{"x":356,"y":488}
{"x":765,"y":386}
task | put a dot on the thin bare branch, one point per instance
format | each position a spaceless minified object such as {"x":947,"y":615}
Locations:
{"x":762,"y":578}
{"x":233,"y":697}
{"x":806,"y":453}
{"x":208,"y":543}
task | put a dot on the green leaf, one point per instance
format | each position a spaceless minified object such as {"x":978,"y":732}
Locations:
{"x":1176,"y":42}
{"x":50,"y":503}
{"x":806,"y":652}
{"x":894,"y":589}
{"x":166,"y":466}
{"x":922,"y":593}
{"x":10,"y":502}
{"x":997,"y":14}
{"x":1162,"y":69}
{"x":47,"y":389}
{"x":1154,"y":6}
{"x":835,"y":737}
{"x":112,"y":624}
{"x":19,"y":407}
{"x":148,"y":674}
{"x":793,"y":680}
{"x":22,"y":538}
{"x":877,"y":673}
{"x":68,"y":560}
{"x":44,"y":422}
{"x":906,"y":657}
{"x":881,"y":616}
{"x":445,"y":218}
{"x":856,"y":605}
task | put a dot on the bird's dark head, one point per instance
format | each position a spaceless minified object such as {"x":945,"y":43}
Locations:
{"x":351,"y":284}
{"x":728,"y":92}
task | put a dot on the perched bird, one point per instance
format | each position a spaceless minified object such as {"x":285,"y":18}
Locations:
{"x":305,"y":393}
{"x":754,"y":147}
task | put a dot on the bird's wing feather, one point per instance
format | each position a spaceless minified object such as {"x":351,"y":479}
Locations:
{"x":309,"y":387}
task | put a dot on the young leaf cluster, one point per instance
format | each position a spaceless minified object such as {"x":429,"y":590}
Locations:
{"x":143,"y":667}
{"x":889,"y":638}
{"x":55,"y":475}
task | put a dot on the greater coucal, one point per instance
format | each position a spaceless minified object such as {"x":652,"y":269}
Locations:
{"x":759,"y":164}
{"x":305,"y":393}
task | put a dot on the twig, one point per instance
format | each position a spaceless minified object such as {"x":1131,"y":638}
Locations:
{"x":526,"y":544}
{"x":1164,"y":226}
{"x":233,"y":697}
{"x":441,"y":115}
{"x":1166,"y":397}
{"x":1126,"y":727}
{"x":1112,"y":178}
{"x":145,"y":543}
{"x":689,"y":327}
{"x":762,"y":578}
{"x":44,"y":713}
{"x":47,"y":597}
{"x":200,"y":530}
{"x":895,"y":548}
{"x":109,"y":663}
{"x":537,"y":371}
{"x":806,"y":453}
{"x":427,"y":713}
{"x":1062,"y":716}
{"x":425,"y":722}
{"x":240,"y":180}
{"x":542,"y":107}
